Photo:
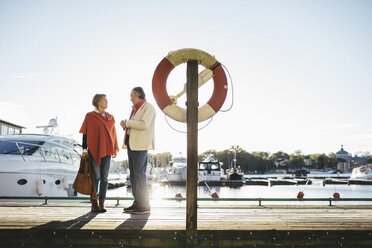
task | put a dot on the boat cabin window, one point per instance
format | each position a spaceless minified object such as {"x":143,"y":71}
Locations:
{"x":209,"y":166}
{"x":62,"y":142}
{"x":65,"y":156}
{"x":24,"y":148}
{"x":203,"y":166}
{"x":47,"y":151}
{"x":50,"y":153}
{"x":215,"y":167}
{"x":56,"y":153}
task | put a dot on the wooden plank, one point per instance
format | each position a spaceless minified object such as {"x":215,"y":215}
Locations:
{"x":175,"y":218}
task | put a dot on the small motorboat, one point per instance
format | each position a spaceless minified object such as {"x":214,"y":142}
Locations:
{"x":362,"y":173}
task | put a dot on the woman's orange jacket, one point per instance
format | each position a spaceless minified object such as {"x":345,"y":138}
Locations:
{"x":101,"y":135}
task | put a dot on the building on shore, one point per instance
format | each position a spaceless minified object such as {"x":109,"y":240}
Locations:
{"x":7,"y":128}
{"x":343,"y":160}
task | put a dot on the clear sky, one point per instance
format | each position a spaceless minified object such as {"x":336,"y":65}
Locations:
{"x":301,"y":70}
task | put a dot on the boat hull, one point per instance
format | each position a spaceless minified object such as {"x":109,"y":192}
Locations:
{"x":35,"y":184}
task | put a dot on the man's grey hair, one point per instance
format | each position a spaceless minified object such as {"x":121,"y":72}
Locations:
{"x":140,"y":92}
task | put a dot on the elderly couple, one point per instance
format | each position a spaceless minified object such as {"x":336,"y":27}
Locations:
{"x":100,"y":143}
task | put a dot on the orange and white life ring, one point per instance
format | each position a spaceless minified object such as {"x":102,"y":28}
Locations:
{"x":213,"y":69}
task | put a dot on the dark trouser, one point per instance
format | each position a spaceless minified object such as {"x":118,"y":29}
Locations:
{"x":100,"y":174}
{"x":137,"y":168}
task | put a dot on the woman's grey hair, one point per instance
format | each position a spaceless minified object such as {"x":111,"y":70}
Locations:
{"x":140,"y":92}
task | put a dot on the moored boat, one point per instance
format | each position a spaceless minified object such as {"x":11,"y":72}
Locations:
{"x":38,"y":165}
{"x":210,"y":170}
{"x":176,"y":172}
{"x":362,"y":173}
{"x":234,"y":174}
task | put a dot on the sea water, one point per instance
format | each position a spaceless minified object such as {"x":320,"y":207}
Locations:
{"x":158,"y":191}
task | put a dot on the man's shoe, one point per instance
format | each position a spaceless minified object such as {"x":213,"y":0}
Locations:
{"x":130,"y":209}
{"x":141,"y":210}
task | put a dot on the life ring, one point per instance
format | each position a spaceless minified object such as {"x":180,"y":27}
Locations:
{"x":213,"y":69}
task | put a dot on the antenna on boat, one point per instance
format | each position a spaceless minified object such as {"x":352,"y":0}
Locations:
{"x":48,"y":129}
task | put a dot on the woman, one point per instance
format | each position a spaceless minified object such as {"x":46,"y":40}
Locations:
{"x":99,"y":136}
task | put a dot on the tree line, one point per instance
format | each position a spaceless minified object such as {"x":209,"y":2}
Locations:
{"x":259,"y":162}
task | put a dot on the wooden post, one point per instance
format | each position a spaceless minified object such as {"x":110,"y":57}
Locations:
{"x":192,"y":154}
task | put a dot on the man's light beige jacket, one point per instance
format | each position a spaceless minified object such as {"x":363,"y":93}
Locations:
{"x":142,"y":129}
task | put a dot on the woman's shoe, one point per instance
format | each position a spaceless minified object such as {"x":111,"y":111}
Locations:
{"x":95,"y":208}
{"x":102,"y":205}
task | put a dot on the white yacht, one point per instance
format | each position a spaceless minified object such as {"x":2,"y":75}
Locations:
{"x":210,"y":170}
{"x":38,"y":165}
{"x":362,"y":173}
{"x":178,"y":170}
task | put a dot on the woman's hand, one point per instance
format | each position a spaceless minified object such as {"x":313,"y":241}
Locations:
{"x":114,"y":156}
{"x":85,"y":153}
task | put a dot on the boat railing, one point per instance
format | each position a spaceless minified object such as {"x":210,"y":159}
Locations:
{"x":19,"y":149}
{"x":330,"y":200}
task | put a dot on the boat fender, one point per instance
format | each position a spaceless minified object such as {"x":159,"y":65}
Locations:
{"x":336,"y":195}
{"x":214,"y":195}
{"x":214,"y":69}
{"x":39,"y":187}
{"x":65,"y":183}
{"x":300,"y":195}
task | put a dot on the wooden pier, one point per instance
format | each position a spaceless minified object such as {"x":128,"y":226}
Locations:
{"x":72,"y":225}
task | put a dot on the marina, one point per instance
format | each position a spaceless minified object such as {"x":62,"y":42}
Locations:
{"x":46,"y":165}
{"x":257,"y":138}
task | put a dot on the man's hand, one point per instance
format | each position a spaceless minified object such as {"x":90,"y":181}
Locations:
{"x":123,"y":123}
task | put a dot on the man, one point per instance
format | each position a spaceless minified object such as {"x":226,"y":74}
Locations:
{"x":138,"y":139}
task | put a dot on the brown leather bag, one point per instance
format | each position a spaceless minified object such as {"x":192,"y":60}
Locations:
{"x":84,"y":182}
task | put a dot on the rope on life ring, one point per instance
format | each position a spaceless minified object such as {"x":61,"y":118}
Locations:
{"x":168,"y":104}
